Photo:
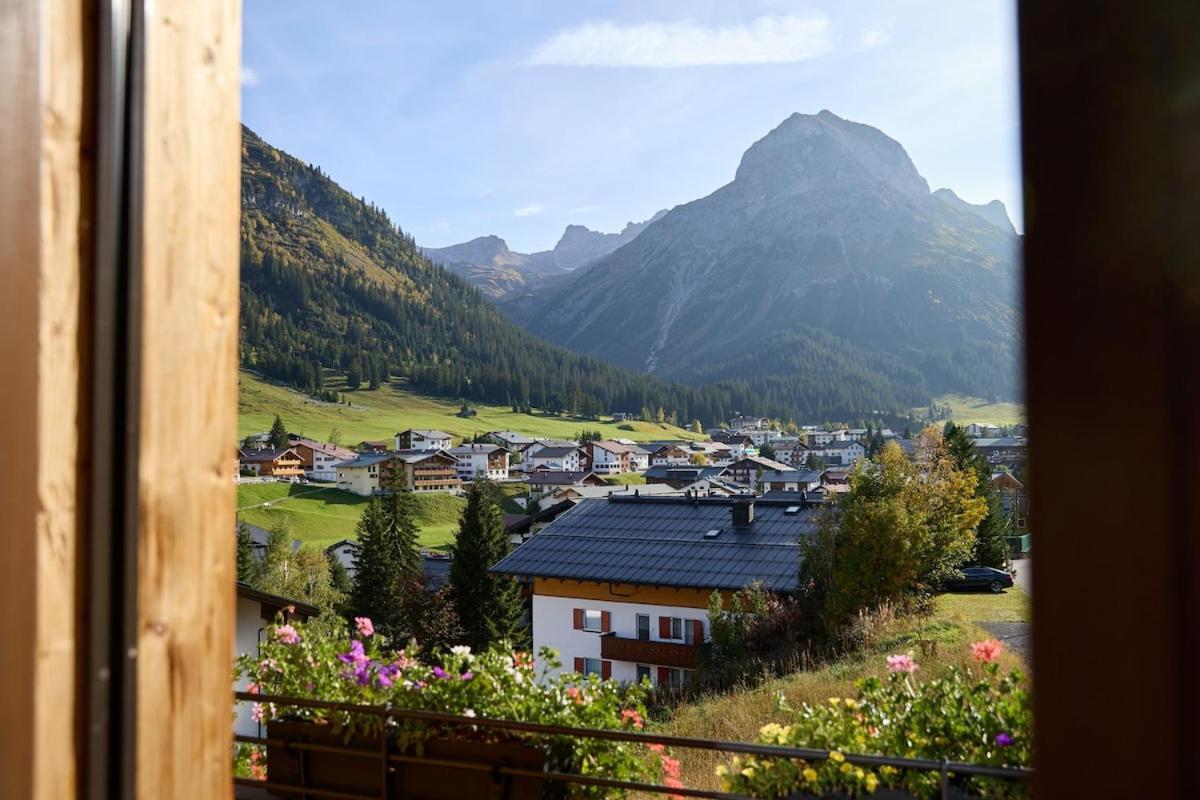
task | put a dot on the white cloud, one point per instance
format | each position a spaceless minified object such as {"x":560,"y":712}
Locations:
{"x":873,"y":38}
{"x":250,"y":77}
{"x":766,"y":40}
{"x":531,"y":210}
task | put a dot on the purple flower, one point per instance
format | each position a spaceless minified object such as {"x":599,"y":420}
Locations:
{"x":438,"y":672}
{"x":1003,"y":739}
{"x":466,"y":676}
{"x":355,"y":654}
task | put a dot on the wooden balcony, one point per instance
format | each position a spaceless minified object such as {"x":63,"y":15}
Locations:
{"x":644,"y":651}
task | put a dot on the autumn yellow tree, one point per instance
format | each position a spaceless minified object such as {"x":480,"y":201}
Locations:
{"x":903,"y":528}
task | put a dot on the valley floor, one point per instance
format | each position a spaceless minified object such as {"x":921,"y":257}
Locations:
{"x":320,"y":515}
{"x":379,"y":414}
{"x":958,"y":620}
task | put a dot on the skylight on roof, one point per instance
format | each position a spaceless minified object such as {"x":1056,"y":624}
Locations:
{"x":712,"y":534}
{"x":792,"y":510}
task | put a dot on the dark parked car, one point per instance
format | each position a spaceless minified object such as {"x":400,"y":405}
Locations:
{"x":977,"y":578}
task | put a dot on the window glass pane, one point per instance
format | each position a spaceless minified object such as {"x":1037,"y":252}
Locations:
{"x":591,"y":666}
{"x":643,"y":627}
{"x":676,"y":628}
{"x":591,"y":620}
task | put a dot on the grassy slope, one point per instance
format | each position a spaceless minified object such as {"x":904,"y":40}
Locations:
{"x":380,"y":414}
{"x":737,"y":716}
{"x":973,"y":409}
{"x":322,"y":516}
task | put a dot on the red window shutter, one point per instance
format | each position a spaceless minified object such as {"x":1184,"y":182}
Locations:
{"x":579,"y":665}
{"x":697,"y":631}
{"x":664,"y":627}
{"x":605,"y":621}
{"x":579,"y":619}
{"x":664,"y":677}
{"x":606,"y":669}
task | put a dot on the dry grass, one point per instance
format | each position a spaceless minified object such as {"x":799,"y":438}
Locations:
{"x":937,"y":642}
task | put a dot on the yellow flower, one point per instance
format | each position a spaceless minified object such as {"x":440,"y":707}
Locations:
{"x":722,"y":770}
{"x":810,"y":774}
{"x":748,"y":772}
{"x":834,"y":755}
{"x":771,"y":732}
{"x":872,"y":782}
{"x":833,"y":701}
{"x":845,"y":768}
{"x":850,"y":703}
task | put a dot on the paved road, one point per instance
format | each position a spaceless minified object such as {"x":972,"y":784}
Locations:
{"x":1017,"y":636}
{"x":1024,"y":578}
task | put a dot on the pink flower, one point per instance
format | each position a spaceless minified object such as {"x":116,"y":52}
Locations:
{"x":365,"y":626}
{"x":522,"y":660}
{"x":575,"y":694}
{"x":670,"y":768}
{"x":287,"y":634}
{"x":901,"y":663}
{"x":987,"y":651}
{"x":252,"y":687}
{"x":256,"y":712}
{"x":632,"y":717}
{"x":656,"y":748}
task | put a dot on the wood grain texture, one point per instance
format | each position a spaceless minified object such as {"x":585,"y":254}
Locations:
{"x":188,"y":395}
{"x":45,"y":197}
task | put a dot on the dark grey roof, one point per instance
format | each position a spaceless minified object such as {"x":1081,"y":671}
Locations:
{"x":683,"y":472}
{"x":559,"y":478}
{"x":437,"y":570}
{"x":663,"y":542}
{"x":367,"y":459}
{"x":555,"y":452}
{"x":799,"y":475}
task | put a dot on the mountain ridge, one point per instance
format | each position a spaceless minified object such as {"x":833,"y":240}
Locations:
{"x":826,"y":226}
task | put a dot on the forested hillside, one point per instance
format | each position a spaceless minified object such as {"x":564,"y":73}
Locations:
{"x":329,"y":282}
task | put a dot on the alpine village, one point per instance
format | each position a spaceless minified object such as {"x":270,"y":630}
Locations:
{"x":750,"y":470}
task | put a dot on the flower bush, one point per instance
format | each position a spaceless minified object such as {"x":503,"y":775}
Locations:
{"x":969,"y":716}
{"x":306,"y":663}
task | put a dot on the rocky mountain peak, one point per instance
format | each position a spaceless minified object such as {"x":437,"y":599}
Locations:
{"x":807,"y":150}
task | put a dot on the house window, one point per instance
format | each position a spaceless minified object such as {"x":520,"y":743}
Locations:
{"x":643,"y":627}
{"x":591,"y":621}
{"x":679,"y":678}
{"x":591,"y":666}
{"x":643,"y":673}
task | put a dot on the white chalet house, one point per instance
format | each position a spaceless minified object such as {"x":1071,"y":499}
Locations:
{"x":476,"y":461}
{"x":362,"y":475}
{"x":255,"y":611}
{"x":563,"y":458}
{"x":617,"y":603}
{"x":607,"y":458}
{"x":846,"y":451}
{"x":320,"y":459}
{"x":418,"y":439}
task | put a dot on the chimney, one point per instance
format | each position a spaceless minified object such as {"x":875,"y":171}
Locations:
{"x":743,"y":512}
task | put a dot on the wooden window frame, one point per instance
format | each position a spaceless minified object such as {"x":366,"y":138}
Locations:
{"x":1109,"y":128}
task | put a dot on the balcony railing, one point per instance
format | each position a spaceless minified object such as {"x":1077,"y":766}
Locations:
{"x":385,"y":759}
{"x":644,"y":651}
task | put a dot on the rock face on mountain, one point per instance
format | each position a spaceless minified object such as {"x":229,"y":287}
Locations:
{"x":488,"y":263}
{"x":828,"y":252}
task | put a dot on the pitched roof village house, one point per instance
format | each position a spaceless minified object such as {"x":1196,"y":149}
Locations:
{"x":477,"y":461}
{"x":551,"y":480}
{"x":745,"y":470}
{"x":607,"y":458}
{"x":418,"y":439}
{"x":621,"y":585}
{"x":256,"y":610}
{"x":682,"y":476}
{"x":565,"y":458}
{"x":269,"y":462}
{"x":319,"y":459}
{"x":408,"y":471}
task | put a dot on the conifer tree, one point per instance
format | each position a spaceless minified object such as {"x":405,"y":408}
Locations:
{"x":279,"y":435}
{"x":245,"y":555}
{"x":389,"y":557}
{"x":489,"y":606}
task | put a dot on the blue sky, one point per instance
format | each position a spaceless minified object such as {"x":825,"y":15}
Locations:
{"x":517,"y":118}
